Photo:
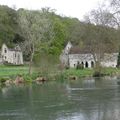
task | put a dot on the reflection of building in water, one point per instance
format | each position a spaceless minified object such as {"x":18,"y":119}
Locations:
{"x":84,"y":84}
{"x":89,"y":83}
{"x":99,"y":103}
{"x":78,"y":87}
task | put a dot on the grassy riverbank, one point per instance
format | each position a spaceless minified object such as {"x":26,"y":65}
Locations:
{"x":90,"y":72}
{"x":13,"y":71}
{"x":78,"y":73}
{"x":6,"y":71}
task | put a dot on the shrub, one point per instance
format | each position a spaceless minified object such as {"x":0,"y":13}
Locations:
{"x":2,"y":80}
{"x":30,"y":78}
{"x":67,"y":67}
{"x":79,"y":66}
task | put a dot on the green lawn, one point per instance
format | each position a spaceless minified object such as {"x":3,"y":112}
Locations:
{"x":12,"y":70}
{"x":15,"y":70}
{"x":89,"y":72}
{"x":79,"y":73}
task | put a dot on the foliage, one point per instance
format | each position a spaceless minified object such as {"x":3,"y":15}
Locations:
{"x":59,"y":30}
{"x":3,"y":79}
{"x":50,"y":32}
{"x":8,"y":26}
{"x":45,"y":63}
{"x":10,"y":72}
{"x":30,"y":78}
{"x":35,"y":26}
{"x":79,"y":66}
{"x":63,"y":29}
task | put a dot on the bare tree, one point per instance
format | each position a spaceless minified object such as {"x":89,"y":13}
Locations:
{"x":34,"y":26}
{"x":115,"y":11}
{"x":99,"y":32}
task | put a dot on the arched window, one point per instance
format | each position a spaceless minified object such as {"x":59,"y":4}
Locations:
{"x":86,"y":64}
{"x":5,"y":50}
{"x":82,"y":63}
{"x":74,"y":65}
{"x":5,"y":57}
{"x":92,"y":64}
{"x":15,"y":55}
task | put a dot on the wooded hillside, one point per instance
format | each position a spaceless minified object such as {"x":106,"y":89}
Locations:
{"x":63,"y":29}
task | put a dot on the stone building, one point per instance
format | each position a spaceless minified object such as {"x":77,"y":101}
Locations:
{"x":72,"y":56}
{"x":11,"y":56}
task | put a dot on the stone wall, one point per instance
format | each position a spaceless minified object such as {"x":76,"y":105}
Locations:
{"x":87,"y":60}
{"x":11,"y":56}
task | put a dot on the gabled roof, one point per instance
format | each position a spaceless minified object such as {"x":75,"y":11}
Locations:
{"x":16,"y":48}
{"x":78,"y":50}
{"x":88,"y":50}
{"x":66,"y":43}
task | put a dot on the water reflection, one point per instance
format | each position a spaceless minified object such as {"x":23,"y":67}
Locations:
{"x":88,"y":99}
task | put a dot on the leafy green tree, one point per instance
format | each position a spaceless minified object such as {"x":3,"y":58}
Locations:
{"x":57,"y":43}
{"x":8,"y":25}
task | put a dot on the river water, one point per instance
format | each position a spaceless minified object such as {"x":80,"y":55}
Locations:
{"x":84,"y":99}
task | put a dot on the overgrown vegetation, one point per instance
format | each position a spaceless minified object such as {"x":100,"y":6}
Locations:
{"x":63,"y":29}
{"x":42,"y":35}
{"x":10,"y":73}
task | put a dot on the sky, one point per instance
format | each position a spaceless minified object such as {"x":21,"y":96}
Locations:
{"x":70,"y":8}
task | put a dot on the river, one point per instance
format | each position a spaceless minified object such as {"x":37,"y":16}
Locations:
{"x":84,"y":99}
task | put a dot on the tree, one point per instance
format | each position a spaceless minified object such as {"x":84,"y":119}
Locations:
{"x":35,"y":27}
{"x":59,"y":27}
{"x":100,"y":34}
{"x":8,"y":25}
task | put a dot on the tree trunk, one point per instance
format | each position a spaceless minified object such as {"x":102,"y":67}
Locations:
{"x":31,"y":60}
{"x":97,"y":60}
{"x":30,"y":64}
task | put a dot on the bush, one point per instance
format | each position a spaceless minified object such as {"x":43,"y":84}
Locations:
{"x":98,"y":74}
{"x":11,"y":64}
{"x":27,"y":78}
{"x":30,"y":78}
{"x":2,"y":80}
{"x":67,"y":67}
{"x":79,"y":66}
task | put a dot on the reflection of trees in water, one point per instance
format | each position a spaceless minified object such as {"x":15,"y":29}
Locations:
{"x":13,"y":100}
{"x":46,"y":101}
{"x":99,"y":103}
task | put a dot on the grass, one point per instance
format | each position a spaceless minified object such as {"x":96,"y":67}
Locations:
{"x":79,"y":73}
{"x":12,"y":70}
{"x":90,"y":72}
{"x":111,"y":71}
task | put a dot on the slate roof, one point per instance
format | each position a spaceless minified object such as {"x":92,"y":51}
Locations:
{"x":78,"y":50}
